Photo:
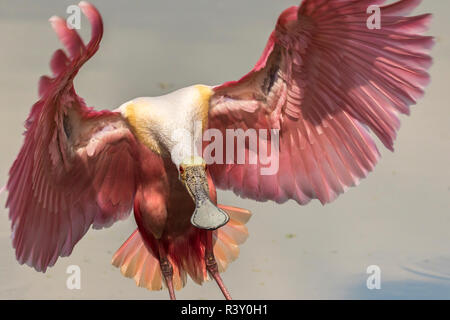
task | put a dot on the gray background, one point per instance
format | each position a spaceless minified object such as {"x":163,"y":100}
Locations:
{"x":397,"y":219}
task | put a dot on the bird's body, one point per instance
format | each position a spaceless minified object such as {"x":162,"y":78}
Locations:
{"x":162,"y":210}
{"x":162,"y":205}
{"x":322,"y":83}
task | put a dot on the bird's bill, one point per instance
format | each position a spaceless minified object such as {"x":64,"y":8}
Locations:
{"x":206,"y":215}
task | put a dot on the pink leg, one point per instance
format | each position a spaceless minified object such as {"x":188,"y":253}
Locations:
{"x":211,"y":265}
{"x":167,"y":271}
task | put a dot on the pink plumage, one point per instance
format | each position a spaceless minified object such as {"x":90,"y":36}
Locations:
{"x":324,"y":81}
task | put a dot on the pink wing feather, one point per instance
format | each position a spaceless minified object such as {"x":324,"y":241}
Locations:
{"x":324,"y":79}
{"x":76,"y":167}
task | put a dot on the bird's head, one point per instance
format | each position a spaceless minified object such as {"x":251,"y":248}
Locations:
{"x":194,"y":166}
{"x":206,"y":215}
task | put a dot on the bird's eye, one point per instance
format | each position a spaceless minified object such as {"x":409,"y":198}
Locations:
{"x":181,"y":170}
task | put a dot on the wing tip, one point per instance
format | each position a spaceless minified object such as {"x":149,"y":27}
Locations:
{"x":53,"y":18}
{"x":84,"y":4}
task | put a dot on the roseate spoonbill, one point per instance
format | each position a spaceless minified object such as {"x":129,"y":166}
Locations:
{"x":324,"y":80}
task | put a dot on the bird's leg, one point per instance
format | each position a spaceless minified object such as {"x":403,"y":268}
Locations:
{"x":211,"y":265}
{"x":166,"y":270}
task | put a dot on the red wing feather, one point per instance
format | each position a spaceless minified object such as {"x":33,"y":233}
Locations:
{"x":76,"y":167}
{"x":324,"y":80}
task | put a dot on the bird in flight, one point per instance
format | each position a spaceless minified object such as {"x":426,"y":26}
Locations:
{"x":324,"y":82}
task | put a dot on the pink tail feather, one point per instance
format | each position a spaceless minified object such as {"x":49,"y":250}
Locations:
{"x":137,"y":262}
{"x":135,"y":259}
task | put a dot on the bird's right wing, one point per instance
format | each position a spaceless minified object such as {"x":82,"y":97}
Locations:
{"x":324,"y":80}
{"x":77,"y":166}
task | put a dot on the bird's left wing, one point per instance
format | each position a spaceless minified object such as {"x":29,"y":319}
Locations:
{"x":76,"y":167}
{"x":323,"y":80}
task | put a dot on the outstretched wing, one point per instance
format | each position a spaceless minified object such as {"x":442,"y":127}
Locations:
{"x":323,"y":80}
{"x":76,"y":167}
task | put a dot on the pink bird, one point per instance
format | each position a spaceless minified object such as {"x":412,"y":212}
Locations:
{"x":324,"y":81}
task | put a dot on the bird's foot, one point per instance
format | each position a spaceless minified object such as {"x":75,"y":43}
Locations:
{"x":211,"y":266}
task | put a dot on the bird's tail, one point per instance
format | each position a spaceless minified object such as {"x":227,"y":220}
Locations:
{"x":136,"y":261}
{"x":141,"y":262}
